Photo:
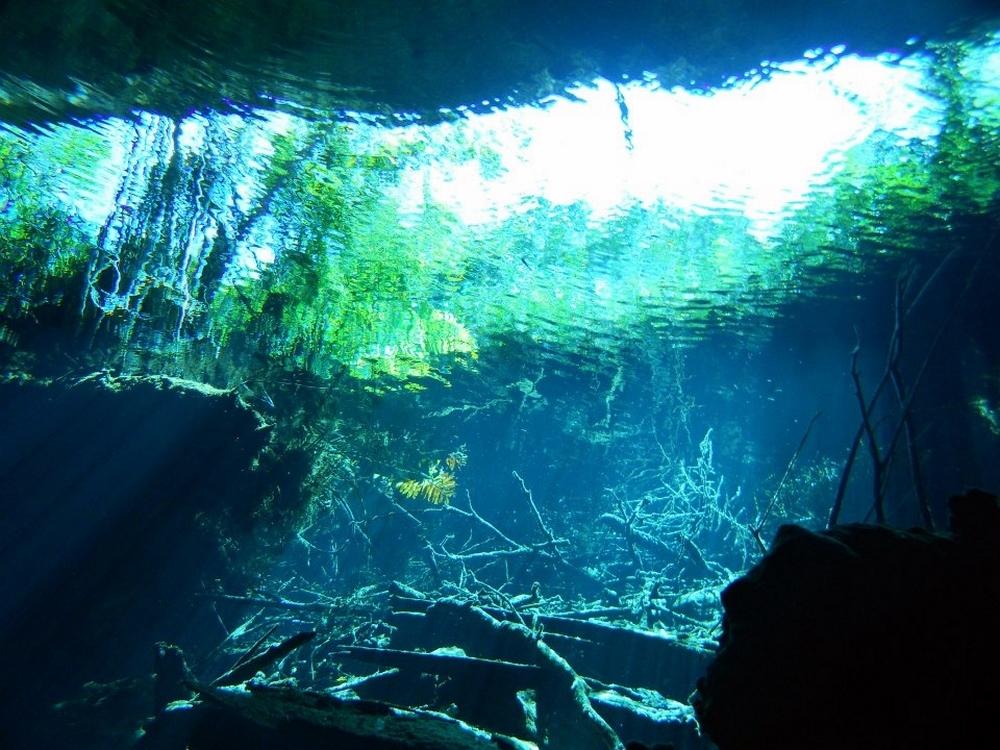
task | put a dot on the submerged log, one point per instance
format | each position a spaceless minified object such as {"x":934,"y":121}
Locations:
{"x":602,"y":656}
{"x":610,"y":653}
{"x":566,"y":717}
{"x":646,"y":716}
{"x":258,"y":715}
{"x":497,"y":673}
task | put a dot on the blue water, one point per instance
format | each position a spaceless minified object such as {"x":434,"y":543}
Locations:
{"x":591,"y":347}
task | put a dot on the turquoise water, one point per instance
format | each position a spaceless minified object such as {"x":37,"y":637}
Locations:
{"x":605,"y":336}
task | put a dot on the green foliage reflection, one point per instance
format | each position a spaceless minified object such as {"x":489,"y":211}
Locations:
{"x":228,"y":241}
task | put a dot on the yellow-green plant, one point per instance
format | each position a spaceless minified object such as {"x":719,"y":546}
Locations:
{"x":438,"y":485}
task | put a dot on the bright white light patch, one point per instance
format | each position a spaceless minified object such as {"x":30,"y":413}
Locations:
{"x":758,"y":147}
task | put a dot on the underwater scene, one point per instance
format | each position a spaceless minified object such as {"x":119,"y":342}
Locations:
{"x":481,"y":374}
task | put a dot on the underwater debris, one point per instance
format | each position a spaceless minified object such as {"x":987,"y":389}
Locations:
{"x":257,"y":659}
{"x":231,"y":718}
{"x":552,"y":686}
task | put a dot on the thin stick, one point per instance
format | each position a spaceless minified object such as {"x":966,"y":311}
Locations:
{"x":251,"y":652}
{"x":908,"y":405}
{"x":877,"y":465}
{"x":759,"y":526}
{"x":538,"y":516}
{"x":845,"y":474}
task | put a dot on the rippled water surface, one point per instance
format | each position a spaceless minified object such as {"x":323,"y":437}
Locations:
{"x":581,"y":221}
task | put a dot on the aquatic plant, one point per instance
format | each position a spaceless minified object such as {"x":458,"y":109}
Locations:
{"x":438,"y":485}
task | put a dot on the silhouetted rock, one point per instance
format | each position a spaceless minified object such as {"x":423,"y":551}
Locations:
{"x":862,"y":637}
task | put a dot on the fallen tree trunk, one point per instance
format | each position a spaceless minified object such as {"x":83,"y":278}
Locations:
{"x":609,"y":653}
{"x":233,"y":718}
{"x":498,"y":674}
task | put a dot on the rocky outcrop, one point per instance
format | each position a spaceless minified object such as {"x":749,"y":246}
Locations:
{"x":862,"y":637}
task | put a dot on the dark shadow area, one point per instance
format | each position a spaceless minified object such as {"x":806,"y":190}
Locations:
{"x":862,"y":637}
{"x":383,"y":56}
{"x":120,"y":497}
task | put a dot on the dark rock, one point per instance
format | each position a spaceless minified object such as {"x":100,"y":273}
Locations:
{"x":862,"y":637}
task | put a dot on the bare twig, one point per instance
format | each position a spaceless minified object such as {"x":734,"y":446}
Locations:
{"x":265,"y":601}
{"x":881,"y":461}
{"x":247,"y":669}
{"x":759,"y":526}
{"x":538,"y":516}
{"x":250,"y":652}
